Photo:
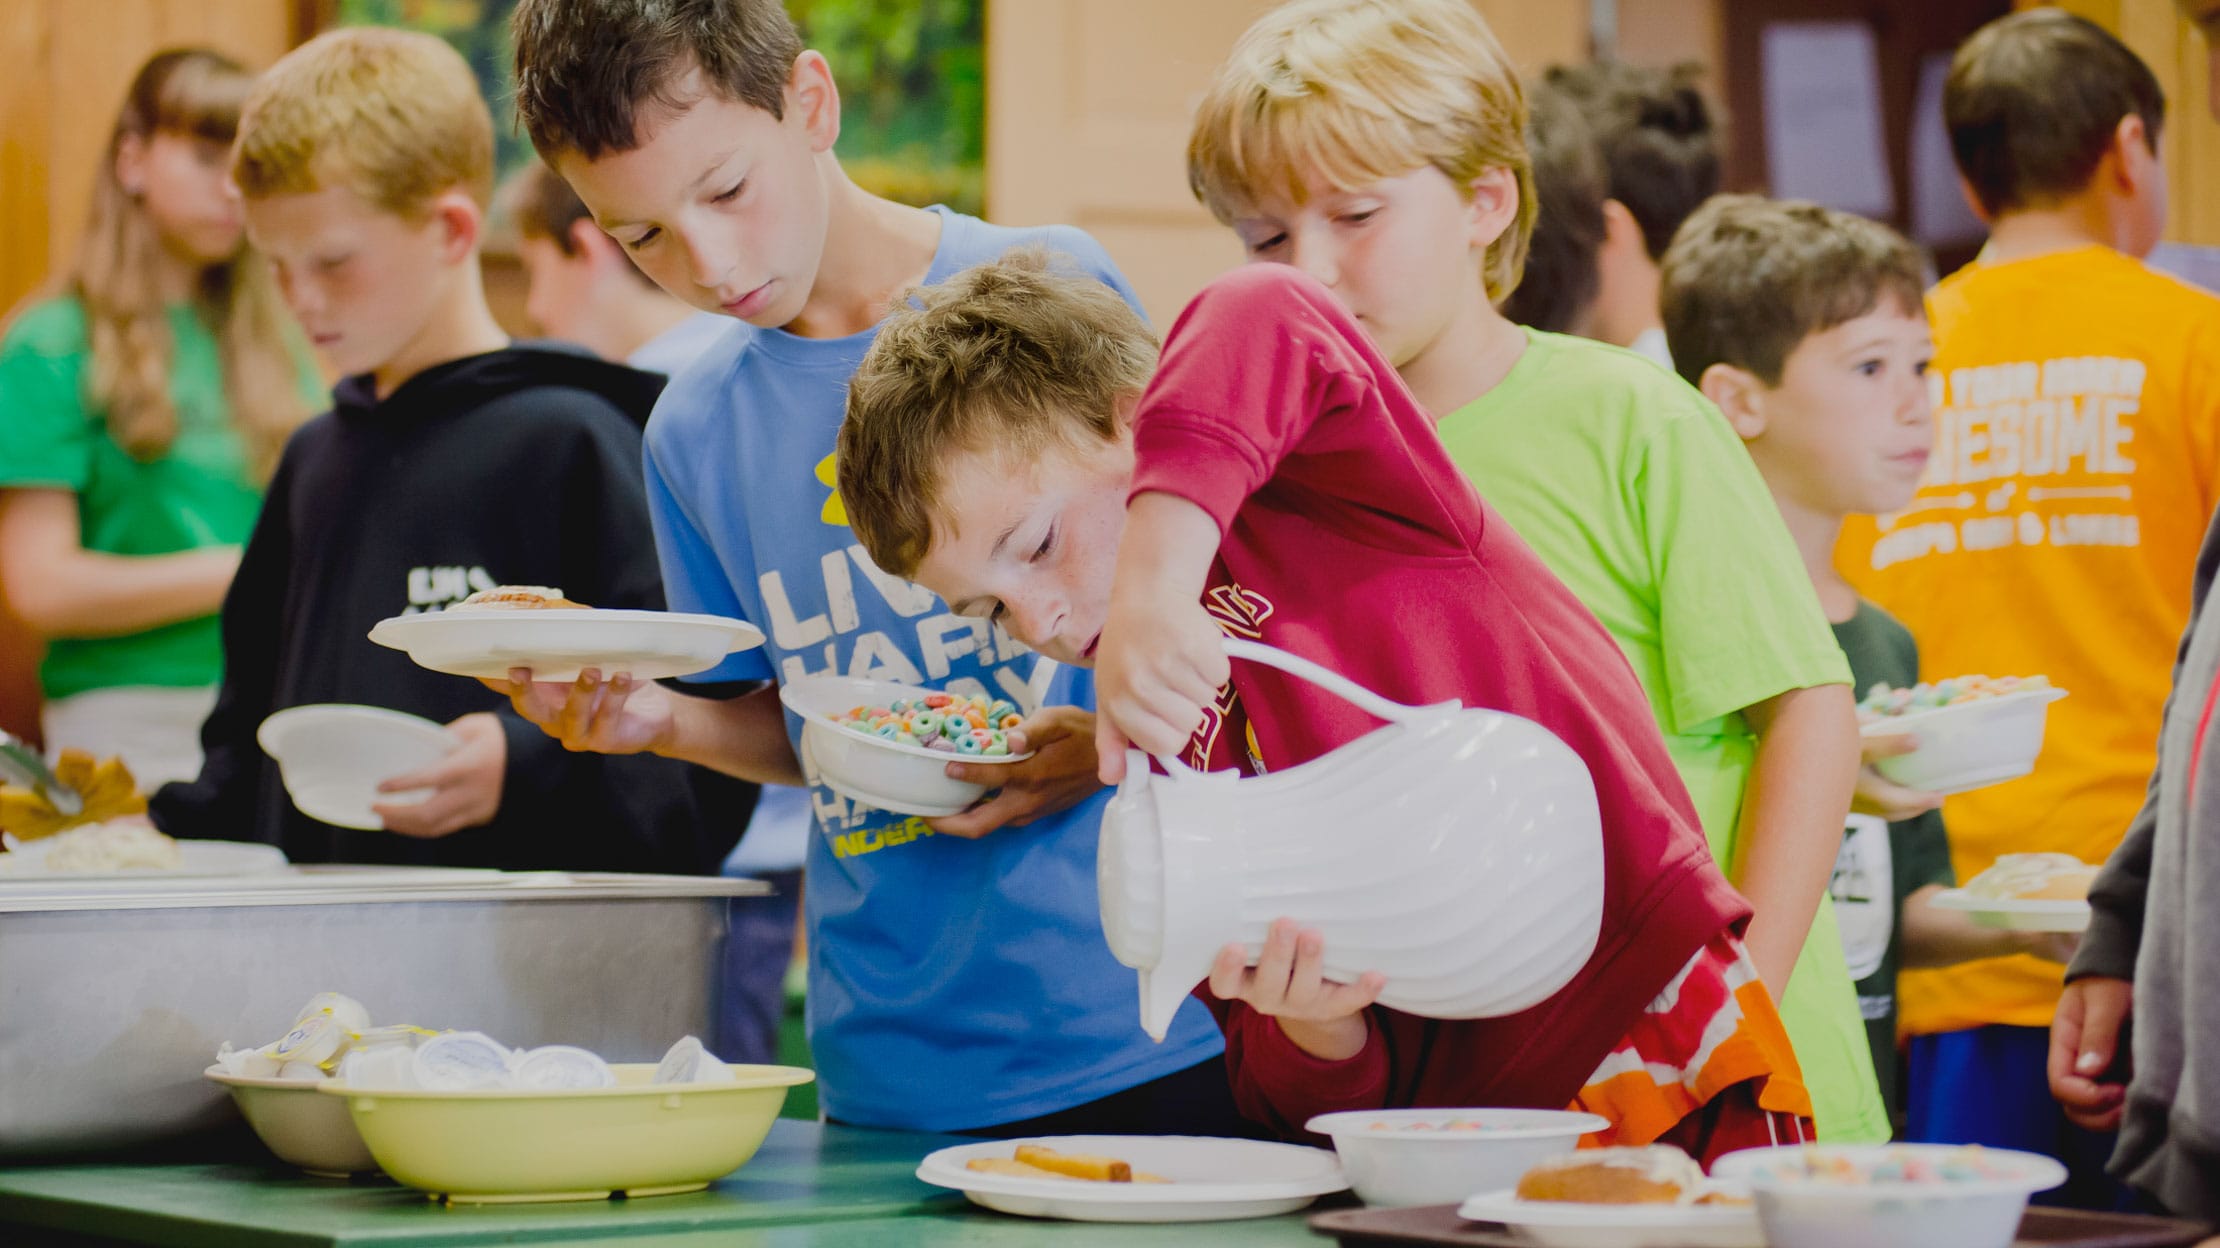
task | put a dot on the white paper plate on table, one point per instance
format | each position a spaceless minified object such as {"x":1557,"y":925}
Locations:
{"x":195,"y":859}
{"x":558,"y":643}
{"x":2029,"y":914}
{"x":1211,"y":1180}
{"x":1562,"y":1224}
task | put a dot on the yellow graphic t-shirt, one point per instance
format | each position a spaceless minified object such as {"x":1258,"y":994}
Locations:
{"x":2077,"y":430}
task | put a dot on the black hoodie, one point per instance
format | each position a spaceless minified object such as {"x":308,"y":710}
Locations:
{"x":517,"y":467}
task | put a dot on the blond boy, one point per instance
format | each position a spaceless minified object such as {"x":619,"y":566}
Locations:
{"x":451,"y":462}
{"x":1379,"y":146}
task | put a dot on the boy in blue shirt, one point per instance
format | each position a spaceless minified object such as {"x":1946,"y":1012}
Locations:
{"x":959,"y":981}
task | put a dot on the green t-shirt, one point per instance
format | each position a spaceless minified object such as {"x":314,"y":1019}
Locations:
{"x":1882,"y":864}
{"x":199,"y":494}
{"x":1639,"y":496}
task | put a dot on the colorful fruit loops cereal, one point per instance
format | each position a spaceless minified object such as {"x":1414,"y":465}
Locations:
{"x":1886,"y":700}
{"x":1961,"y":1165}
{"x":951,"y":723}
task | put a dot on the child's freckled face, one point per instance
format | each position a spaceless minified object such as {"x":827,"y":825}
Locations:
{"x":361,"y":281}
{"x":1380,"y":248}
{"x":1032,"y":545}
{"x":721,"y":204}
{"x":1850,"y":425}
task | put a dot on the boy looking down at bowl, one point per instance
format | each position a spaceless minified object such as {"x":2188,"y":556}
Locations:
{"x":451,"y":461}
{"x":1273,"y":480}
{"x":958,"y":977}
{"x":1804,"y":326}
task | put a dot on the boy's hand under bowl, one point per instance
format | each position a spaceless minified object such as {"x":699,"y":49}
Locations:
{"x":1876,"y":794}
{"x":1060,"y":774}
{"x":1287,"y":984}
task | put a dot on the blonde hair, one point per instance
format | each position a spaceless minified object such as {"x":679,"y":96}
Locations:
{"x":1020,"y":355}
{"x":393,"y":116}
{"x":190,"y":92}
{"x":1352,"y":91}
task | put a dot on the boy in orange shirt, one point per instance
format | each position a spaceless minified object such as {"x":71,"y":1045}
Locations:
{"x":2077,"y":438}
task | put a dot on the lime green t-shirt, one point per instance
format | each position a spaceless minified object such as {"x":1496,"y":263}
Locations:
{"x":1639,"y":496}
{"x":199,"y":494}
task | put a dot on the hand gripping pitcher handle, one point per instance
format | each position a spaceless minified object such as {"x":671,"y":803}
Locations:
{"x":1325,"y":678}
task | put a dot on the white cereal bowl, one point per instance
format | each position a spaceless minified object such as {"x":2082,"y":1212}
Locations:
{"x":333,"y":757}
{"x":888,"y":775}
{"x":303,"y":1127}
{"x":1799,"y":1210}
{"x":1443,"y":1156}
{"x":1970,"y":745}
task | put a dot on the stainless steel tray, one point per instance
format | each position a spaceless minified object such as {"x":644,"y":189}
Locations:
{"x":114,"y":995}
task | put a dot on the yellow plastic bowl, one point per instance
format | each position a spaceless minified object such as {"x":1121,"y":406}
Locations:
{"x":639,"y":1138}
{"x":310,"y":1131}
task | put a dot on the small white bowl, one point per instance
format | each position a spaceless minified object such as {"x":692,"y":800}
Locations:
{"x":333,"y":757}
{"x":905,"y":779}
{"x":1798,"y":1210}
{"x":1443,"y":1156}
{"x":1970,"y":745}
{"x":300,"y":1125}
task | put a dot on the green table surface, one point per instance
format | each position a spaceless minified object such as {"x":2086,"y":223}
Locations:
{"x":811,"y":1186}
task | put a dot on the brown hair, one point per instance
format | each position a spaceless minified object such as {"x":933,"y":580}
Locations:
{"x":1351,"y":91}
{"x":394,"y":116}
{"x":2032,"y":103}
{"x":588,"y":72}
{"x":196,"y":93}
{"x":1748,"y":278}
{"x":1660,"y":148}
{"x":541,"y":205}
{"x":1019,"y":354}
{"x":1561,"y":280}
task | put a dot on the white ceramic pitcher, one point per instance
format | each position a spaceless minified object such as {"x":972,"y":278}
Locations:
{"x":1459,"y":852}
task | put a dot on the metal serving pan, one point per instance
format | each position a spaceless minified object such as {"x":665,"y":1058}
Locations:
{"x":114,"y":995}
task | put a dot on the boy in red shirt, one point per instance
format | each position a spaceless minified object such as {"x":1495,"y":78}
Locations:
{"x":1007,"y":447}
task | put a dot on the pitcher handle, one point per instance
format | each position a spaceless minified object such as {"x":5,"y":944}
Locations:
{"x":1333,"y":682}
{"x":1137,"y":763}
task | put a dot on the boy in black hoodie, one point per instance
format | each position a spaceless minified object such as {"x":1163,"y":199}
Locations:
{"x":452,"y":461}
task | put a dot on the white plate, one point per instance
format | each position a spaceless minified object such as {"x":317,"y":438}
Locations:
{"x":195,"y":858}
{"x":2031,"y":914}
{"x":1559,"y":1224}
{"x":556,"y":643}
{"x":1212,"y":1180}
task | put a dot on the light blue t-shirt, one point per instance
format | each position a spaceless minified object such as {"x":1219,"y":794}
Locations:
{"x":952,"y":983}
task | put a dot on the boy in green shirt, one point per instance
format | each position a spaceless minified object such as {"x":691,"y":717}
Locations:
{"x":1806,"y":327}
{"x":1414,"y":207}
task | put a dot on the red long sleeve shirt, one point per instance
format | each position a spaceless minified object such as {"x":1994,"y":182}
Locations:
{"x":1350,"y":538}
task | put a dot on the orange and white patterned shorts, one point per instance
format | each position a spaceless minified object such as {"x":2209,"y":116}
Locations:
{"x":1708,"y":1066}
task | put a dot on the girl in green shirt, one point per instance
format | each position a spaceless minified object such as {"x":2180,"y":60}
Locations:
{"x":142,"y":407}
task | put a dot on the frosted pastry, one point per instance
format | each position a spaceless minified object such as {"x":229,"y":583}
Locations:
{"x":1657,"y":1174}
{"x":2034,"y":877}
{"x":517,"y":598}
